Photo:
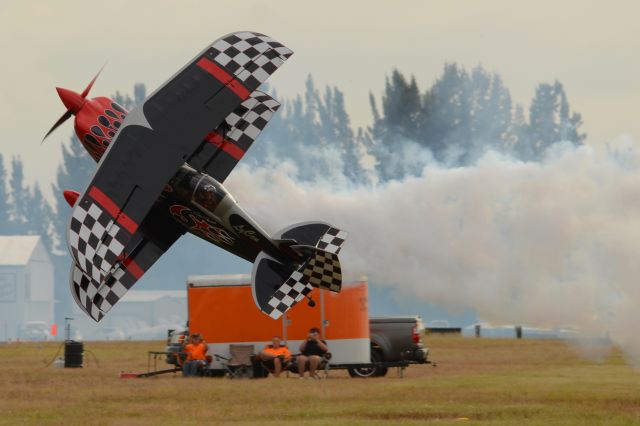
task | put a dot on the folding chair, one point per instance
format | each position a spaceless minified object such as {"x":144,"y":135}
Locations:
{"x":239,"y":364}
{"x":268,"y":367}
{"x":323,"y":366}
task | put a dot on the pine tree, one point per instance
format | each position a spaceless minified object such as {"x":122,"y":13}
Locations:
{"x":19,"y":199}
{"x":518,"y":144}
{"x":446,"y":123}
{"x":400,"y":109}
{"x":40,"y":220}
{"x":551,"y":120}
{"x":4,"y":205}
{"x":491,"y":113}
{"x":336,"y":131}
{"x":139,"y":93}
{"x":125,"y":100}
{"x":398,"y":124}
{"x":569,"y":122}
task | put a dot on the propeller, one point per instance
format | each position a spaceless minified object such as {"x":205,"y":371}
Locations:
{"x":86,"y":90}
{"x":73,"y":101}
{"x":67,"y":115}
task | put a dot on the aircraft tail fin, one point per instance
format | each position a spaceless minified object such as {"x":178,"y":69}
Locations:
{"x":279,"y":286}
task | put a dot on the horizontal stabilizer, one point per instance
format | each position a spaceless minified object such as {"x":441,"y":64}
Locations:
{"x":278,"y":286}
{"x":316,"y":234}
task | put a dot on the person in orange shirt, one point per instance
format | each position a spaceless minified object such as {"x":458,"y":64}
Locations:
{"x":275,"y":356}
{"x":196,"y":352}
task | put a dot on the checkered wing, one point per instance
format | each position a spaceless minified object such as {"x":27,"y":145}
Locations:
{"x":96,"y":240}
{"x":97,"y":299}
{"x":227,"y":144}
{"x":251,"y":57}
{"x":96,"y":295}
{"x":250,"y":118}
{"x":84,"y":290}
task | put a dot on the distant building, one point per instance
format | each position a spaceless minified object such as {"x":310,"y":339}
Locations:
{"x":153,"y":307}
{"x":26,"y":288}
{"x":139,"y":315}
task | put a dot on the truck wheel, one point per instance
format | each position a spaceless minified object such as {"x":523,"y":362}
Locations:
{"x":380,"y":371}
{"x":372,"y":371}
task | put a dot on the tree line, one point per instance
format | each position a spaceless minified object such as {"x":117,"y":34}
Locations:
{"x":461,"y":116}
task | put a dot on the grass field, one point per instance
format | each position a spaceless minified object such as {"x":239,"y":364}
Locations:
{"x":477,"y":381}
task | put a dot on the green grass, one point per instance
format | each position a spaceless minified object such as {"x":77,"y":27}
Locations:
{"x":477,"y":381}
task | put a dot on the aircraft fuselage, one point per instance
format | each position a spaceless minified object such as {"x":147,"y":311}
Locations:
{"x":195,"y":200}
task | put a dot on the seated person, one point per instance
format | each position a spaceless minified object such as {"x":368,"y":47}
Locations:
{"x":196,"y":352}
{"x":275,"y":356}
{"x":312,"y":351}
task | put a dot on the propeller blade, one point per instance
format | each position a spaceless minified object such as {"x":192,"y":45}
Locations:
{"x":61,"y":120}
{"x":86,"y":90}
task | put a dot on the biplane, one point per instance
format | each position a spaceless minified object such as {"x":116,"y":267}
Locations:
{"x":161,"y":169}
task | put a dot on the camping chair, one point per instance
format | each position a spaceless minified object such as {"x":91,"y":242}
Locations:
{"x":203,"y":369}
{"x":267,"y":367}
{"x":239,"y":364}
{"x":324,"y":365}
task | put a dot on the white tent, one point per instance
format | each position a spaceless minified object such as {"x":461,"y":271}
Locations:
{"x":26,"y":288}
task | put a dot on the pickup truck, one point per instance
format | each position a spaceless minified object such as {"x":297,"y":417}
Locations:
{"x":393,"y":339}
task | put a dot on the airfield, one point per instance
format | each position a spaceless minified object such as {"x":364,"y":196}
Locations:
{"x":477,"y":381}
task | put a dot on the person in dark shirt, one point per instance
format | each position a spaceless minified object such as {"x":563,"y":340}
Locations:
{"x":312,"y":351}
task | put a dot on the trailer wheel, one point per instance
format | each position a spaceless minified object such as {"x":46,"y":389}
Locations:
{"x":372,"y":371}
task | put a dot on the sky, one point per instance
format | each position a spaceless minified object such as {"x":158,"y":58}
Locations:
{"x":591,"y":47}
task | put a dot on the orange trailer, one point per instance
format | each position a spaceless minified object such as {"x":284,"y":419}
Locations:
{"x":221,"y":307}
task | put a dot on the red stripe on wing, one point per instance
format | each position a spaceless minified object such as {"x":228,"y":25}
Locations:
{"x":228,"y":147}
{"x":225,"y":78}
{"x":113,"y":209}
{"x":133,"y":268}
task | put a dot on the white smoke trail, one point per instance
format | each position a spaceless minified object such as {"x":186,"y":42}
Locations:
{"x":554,"y":243}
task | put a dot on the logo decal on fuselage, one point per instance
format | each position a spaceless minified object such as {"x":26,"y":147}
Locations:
{"x":201,"y":225}
{"x":247,"y":233}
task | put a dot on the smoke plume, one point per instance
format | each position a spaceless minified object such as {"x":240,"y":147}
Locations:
{"x":553,"y":243}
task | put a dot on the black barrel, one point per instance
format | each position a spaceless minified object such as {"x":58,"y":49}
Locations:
{"x":518,"y":332}
{"x":73,"y":354}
